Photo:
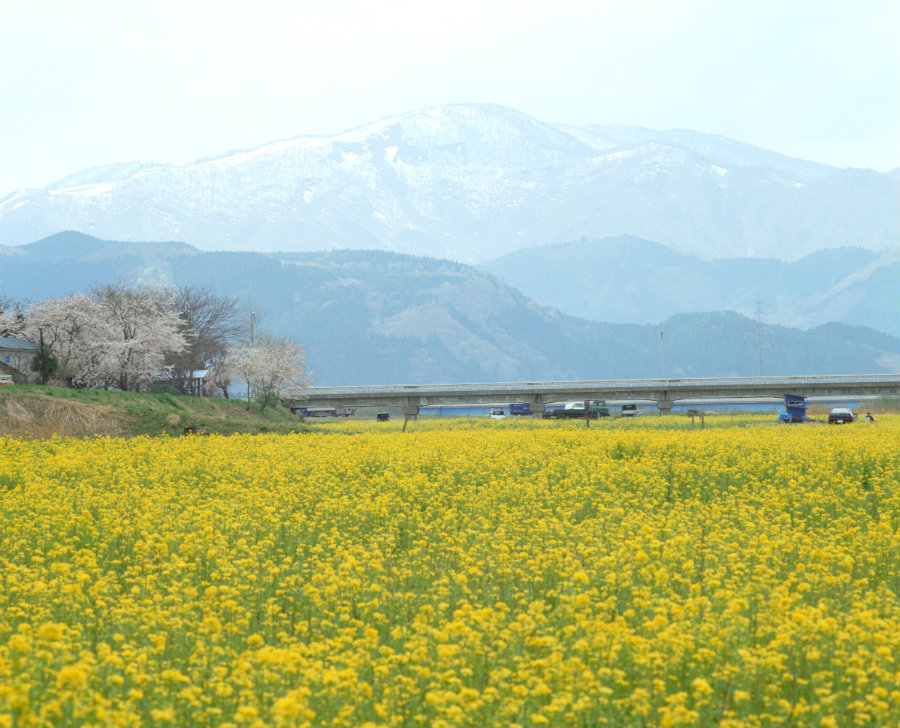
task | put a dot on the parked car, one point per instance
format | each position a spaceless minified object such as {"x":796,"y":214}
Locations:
{"x":5,"y":380}
{"x":498,"y":414}
{"x":841,"y":416}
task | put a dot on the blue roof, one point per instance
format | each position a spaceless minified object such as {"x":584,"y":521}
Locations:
{"x":11,"y":343}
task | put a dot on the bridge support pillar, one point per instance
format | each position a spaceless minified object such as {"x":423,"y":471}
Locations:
{"x":665,"y":406}
{"x":538,"y":409}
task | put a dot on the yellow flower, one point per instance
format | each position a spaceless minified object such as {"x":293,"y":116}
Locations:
{"x":72,"y":677}
{"x":246,"y":714}
{"x":162,"y":715}
{"x":700,"y":687}
{"x":455,"y":574}
{"x":51,"y":631}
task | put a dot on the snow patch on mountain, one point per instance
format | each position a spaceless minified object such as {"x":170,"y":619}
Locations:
{"x":473,"y":182}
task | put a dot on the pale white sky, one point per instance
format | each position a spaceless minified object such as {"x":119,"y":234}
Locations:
{"x":101,"y":81}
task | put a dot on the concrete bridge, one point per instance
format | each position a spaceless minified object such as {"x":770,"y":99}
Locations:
{"x":665,"y":392}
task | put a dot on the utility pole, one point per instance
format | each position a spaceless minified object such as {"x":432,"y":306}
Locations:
{"x":252,"y":344}
{"x":662,"y":368}
{"x":43,"y":355}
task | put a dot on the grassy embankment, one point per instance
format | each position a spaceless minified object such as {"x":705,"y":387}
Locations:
{"x":38,"y":412}
{"x":34,"y":411}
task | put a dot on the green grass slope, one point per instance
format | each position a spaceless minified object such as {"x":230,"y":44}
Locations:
{"x":40,"y":412}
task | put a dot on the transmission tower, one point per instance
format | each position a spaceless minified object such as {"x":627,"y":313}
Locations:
{"x":759,"y":337}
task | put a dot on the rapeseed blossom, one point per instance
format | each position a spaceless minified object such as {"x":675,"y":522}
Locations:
{"x":457,"y":574}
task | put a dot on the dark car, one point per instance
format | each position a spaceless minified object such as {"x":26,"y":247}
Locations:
{"x":841,"y":416}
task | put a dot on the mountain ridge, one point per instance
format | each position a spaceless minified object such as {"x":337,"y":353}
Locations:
{"x":631,"y":280}
{"x":373,"y":317}
{"x":471,"y":183}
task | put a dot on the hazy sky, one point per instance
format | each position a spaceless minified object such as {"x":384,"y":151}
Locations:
{"x":94,"y":82}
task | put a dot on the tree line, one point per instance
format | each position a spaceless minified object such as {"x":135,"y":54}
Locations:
{"x":140,"y":338}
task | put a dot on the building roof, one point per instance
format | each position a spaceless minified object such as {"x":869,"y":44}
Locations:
{"x":11,"y":343}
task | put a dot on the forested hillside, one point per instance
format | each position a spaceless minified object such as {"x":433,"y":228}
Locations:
{"x":629,"y":280}
{"x":369,"y":317}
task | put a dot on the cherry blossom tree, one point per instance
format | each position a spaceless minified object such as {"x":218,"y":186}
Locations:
{"x":135,"y":330}
{"x":64,"y":324}
{"x":219,"y":377}
{"x":114,"y":336}
{"x":268,"y":367}
{"x":12,"y":319}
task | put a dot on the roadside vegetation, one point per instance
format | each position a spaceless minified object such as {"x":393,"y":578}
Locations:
{"x":37,"y":412}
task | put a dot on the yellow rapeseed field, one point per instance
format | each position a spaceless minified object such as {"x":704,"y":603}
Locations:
{"x":457,"y":574}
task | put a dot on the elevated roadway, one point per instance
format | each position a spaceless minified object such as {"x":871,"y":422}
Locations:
{"x":665,"y":392}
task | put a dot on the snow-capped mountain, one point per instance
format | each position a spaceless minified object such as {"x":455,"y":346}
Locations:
{"x":472,"y":183}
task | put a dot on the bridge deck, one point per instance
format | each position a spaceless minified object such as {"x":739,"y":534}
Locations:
{"x":662,"y":391}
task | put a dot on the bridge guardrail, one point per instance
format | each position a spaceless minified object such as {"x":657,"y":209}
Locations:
{"x":601,"y":384}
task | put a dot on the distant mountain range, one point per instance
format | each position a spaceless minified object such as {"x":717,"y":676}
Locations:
{"x":369,"y":317}
{"x":474,"y":183}
{"x":629,"y":280}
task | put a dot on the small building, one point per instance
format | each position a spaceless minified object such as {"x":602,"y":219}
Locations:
{"x":16,"y":356}
{"x":795,"y":407}
{"x":200,"y":384}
